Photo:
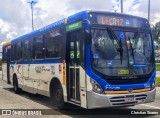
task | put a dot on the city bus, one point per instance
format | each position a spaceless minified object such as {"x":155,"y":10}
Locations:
{"x":92,"y":59}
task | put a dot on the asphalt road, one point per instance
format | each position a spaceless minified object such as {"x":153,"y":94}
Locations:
{"x":10,"y":100}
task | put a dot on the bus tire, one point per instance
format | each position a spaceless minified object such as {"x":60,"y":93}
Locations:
{"x":15,"y":85}
{"x":56,"y":95}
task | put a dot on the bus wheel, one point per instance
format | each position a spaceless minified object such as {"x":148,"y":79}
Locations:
{"x":57,"y":99}
{"x":15,"y":85}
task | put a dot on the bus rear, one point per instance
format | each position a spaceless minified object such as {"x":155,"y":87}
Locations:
{"x":119,"y":61}
{"x":5,"y":61}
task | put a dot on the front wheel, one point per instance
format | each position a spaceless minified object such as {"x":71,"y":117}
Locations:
{"x":57,"y":98}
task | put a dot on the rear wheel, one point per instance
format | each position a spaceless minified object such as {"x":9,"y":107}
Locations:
{"x":15,"y":85}
{"x":57,"y":99}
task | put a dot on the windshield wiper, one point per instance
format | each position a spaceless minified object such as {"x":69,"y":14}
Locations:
{"x":132,"y":50}
{"x":113,"y":37}
{"x":121,"y":49}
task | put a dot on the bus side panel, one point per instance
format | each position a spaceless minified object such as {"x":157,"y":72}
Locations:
{"x":18,"y":71}
{"x":42,"y":74}
{"x":27,"y":82}
{"x":4,"y":72}
{"x":11,"y":73}
{"x":83,"y":88}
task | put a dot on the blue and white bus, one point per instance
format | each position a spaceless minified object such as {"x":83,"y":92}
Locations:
{"x":91,"y":59}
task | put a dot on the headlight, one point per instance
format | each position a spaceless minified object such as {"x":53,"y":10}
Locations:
{"x":96,"y":87}
{"x":153,"y":85}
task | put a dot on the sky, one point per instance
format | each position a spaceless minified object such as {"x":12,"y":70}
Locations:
{"x":15,"y":15}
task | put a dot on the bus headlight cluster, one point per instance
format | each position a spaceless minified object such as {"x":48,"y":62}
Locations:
{"x":96,"y":87}
{"x":153,"y":85}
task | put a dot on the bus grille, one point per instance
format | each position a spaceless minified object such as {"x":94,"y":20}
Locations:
{"x":127,"y":81}
{"x":120,"y":100}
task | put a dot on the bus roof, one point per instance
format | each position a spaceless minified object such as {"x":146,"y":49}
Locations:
{"x":6,"y":43}
{"x":123,"y":14}
{"x":68,"y":20}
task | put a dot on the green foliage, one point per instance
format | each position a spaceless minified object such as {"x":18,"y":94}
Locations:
{"x":157,"y":66}
{"x":156,"y":31}
{"x":158,"y":81}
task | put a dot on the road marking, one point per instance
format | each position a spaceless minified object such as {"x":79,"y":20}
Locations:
{"x":150,"y":106}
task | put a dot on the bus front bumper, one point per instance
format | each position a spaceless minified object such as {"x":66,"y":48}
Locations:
{"x":119,"y":100}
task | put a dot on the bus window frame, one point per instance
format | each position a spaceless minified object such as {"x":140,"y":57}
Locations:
{"x":15,"y":51}
{"x":34,"y":47}
{"x":125,"y":29}
{"x":30,"y":49}
{"x":83,"y":41}
{"x":4,"y":54}
{"x":61,"y":55}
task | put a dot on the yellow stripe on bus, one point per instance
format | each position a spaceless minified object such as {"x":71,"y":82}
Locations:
{"x":127,"y":92}
{"x":6,"y":43}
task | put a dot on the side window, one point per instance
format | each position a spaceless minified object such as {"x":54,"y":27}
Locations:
{"x":18,"y":50}
{"x":54,"y":44}
{"x":38,"y":48}
{"x":139,"y":47}
{"x":26,"y":49}
{"x":12,"y":53}
{"x":30,"y":48}
{"x":148,"y":47}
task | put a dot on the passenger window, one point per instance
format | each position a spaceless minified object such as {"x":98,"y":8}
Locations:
{"x":4,"y":55}
{"x":26,"y":50}
{"x":54,"y":42}
{"x":18,"y":50}
{"x":38,"y":48}
{"x":12,"y":53}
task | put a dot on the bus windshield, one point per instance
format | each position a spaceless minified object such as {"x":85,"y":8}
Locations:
{"x":116,"y":53}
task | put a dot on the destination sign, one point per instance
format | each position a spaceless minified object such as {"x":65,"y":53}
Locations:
{"x":118,"y":20}
{"x":108,"y":20}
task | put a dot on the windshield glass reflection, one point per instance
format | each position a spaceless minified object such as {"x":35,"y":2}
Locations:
{"x":121,"y":53}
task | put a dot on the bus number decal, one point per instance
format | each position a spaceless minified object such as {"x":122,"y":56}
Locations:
{"x":123,"y":72}
{"x":71,"y":54}
{"x":78,"y":54}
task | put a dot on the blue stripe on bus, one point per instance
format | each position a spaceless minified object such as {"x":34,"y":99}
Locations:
{"x":89,"y":71}
{"x":38,"y":62}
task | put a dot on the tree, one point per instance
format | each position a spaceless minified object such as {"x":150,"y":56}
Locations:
{"x":156,"y":31}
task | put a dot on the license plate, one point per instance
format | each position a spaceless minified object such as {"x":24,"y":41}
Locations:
{"x":129,"y":98}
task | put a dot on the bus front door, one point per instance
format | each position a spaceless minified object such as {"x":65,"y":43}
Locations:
{"x":73,"y":62}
